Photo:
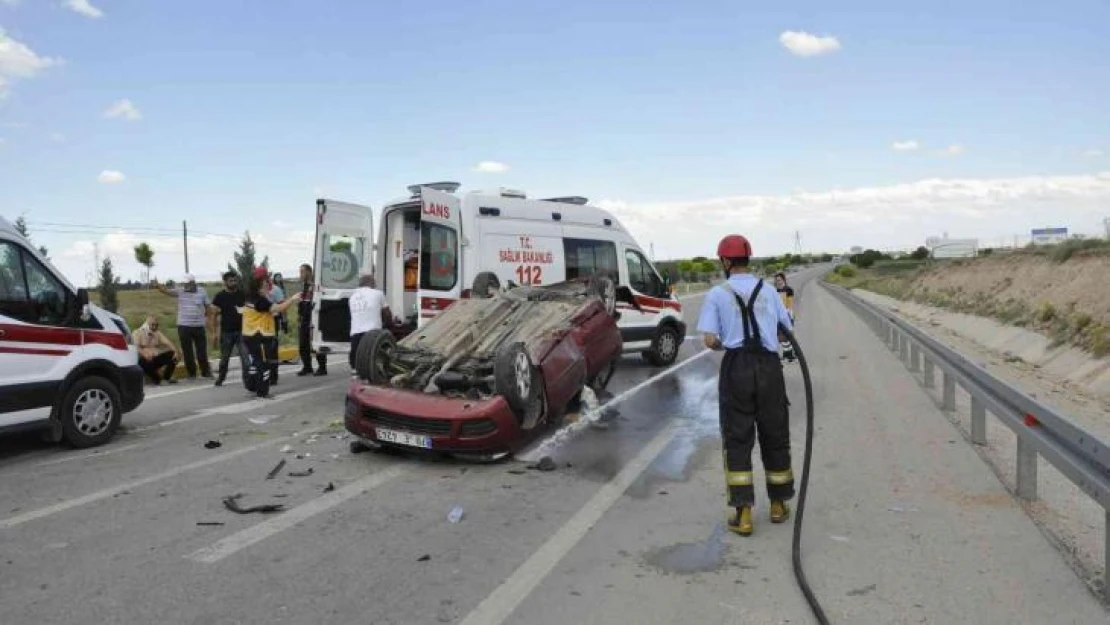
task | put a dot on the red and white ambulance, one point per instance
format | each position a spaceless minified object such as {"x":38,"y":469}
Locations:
{"x":436,"y":246}
{"x":67,"y":366}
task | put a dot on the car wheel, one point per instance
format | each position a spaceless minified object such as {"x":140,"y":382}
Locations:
{"x":90,"y":412}
{"x":665,"y":346}
{"x":604,"y":288}
{"x":516,"y":379}
{"x":485,"y":285}
{"x":372,"y":357}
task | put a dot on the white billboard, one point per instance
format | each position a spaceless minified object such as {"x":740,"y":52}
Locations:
{"x":952,"y":248}
{"x":1049,"y":236}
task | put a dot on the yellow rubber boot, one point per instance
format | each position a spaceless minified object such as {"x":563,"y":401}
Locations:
{"x":740,"y":521}
{"x":779,"y":511}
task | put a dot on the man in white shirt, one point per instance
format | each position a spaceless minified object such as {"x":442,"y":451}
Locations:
{"x":366,"y":304}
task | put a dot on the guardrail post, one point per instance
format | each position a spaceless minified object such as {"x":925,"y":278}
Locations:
{"x":930,"y":373}
{"x":949,"y":398}
{"x":1106,"y":553}
{"x":978,"y":421}
{"x":892,"y":339}
{"x":1026,"y":469}
{"x":915,"y":357}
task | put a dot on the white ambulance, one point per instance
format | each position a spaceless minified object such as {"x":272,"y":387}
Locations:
{"x":67,"y":367}
{"x":436,"y":246}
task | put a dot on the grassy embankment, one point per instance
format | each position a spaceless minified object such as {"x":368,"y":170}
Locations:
{"x":1059,"y":291}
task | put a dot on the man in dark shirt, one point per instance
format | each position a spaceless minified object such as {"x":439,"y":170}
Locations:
{"x":228,"y":304}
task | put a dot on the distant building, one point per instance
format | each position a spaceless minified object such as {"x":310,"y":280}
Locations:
{"x":944,"y":247}
{"x":857,"y":250}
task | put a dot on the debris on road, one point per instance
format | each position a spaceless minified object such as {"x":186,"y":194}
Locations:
{"x":212,"y":444}
{"x":262,"y":419}
{"x":424,"y":558}
{"x":210,"y":523}
{"x":232,"y":503}
{"x":545,"y":464}
{"x":455,"y":515}
{"x":898,"y":508}
{"x":287,"y":449}
{"x":304,"y":473}
{"x":357,"y":447}
{"x":274,"y":471}
{"x":330,"y":487}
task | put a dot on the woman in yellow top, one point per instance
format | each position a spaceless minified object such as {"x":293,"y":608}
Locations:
{"x":260,"y":331}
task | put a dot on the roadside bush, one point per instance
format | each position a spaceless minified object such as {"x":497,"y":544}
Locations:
{"x":846,"y":271}
{"x":1064,"y":251}
{"x":1045,"y":312}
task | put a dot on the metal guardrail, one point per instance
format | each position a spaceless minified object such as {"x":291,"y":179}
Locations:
{"x":1040,"y":430}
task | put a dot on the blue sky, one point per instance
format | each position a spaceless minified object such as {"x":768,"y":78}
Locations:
{"x":242,"y":112}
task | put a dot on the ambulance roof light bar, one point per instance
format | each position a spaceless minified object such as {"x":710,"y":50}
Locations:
{"x":570,"y":199}
{"x":446,"y":187}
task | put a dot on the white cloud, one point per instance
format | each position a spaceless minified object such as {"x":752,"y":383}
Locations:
{"x":84,"y":7}
{"x":123,"y":109}
{"x":955,"y":150}
{"x":110,"y":176}
{"x":1094,"y":153}
{"x":491,"y":167}
{"x":17,"y":61}
{"x":901,"y":215}
{"x":801,"y":43}
{"x":10,"y":3}
{"x":904,"y":146}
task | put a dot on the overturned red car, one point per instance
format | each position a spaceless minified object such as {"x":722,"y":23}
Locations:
{"x":486,"y":375}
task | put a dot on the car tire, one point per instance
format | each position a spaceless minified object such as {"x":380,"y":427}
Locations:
{"x":484,"y":283}
{"x":517,"y":379}
{"x":372,"y":357}
{"x":90,"y":412}
{"x":664,"y":347}
{"x":604,"y":288}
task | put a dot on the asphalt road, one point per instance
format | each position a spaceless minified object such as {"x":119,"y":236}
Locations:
{"x":905,"y":524}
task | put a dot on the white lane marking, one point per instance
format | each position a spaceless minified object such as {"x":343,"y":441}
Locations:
{"x":101,"y":454}
{"x":76,"y":502}
{"x":251,"y":535}
{"x":236,"y":408}
{"x":501,"y":603}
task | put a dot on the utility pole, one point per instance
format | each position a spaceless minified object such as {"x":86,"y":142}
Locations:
{"x":185,"y":238}
{"x":798,"y":242}
{"x":652,"y":246}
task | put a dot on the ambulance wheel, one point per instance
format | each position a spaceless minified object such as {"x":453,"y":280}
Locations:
{"x":665,"y":346}
{"x":90,"y":412}
{"x":485,"y":285}
{"x":605,"y":289}
{"x":517,"y":380}
{"x":372,"y":357}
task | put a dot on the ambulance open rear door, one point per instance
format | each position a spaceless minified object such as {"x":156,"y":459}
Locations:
{"x":344,"y":252}
{"x":440,"y":275}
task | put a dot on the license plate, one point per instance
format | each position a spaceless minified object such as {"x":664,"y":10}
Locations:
{"x":403,"y":438}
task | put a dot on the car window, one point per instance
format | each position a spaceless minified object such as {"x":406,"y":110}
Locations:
{"x":28,"y":291}
{"x":439,"y":266}
{"x":588,"y":257}
{"x":641,"y":276}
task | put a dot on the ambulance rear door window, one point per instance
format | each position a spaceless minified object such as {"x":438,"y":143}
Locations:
{"x":588,"y":257}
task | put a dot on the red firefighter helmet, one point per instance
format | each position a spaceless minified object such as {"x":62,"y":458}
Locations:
{"x":734,"y":246}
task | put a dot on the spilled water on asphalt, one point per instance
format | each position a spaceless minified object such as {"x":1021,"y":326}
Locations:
{"x":689,"y":558}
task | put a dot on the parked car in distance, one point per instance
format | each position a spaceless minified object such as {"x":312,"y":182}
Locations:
{"x":486,"y":375}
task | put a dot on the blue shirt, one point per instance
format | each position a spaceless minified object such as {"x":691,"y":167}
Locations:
{"x":720,"y":314}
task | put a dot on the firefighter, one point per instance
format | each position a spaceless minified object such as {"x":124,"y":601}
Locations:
{"x":741,"y":318}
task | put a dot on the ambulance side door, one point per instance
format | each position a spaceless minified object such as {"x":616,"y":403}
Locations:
{"x":344,"y":251}
{"x":440,"y":269}
{"x":526,"y":252}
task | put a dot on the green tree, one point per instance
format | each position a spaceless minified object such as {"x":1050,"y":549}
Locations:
{"x":21,"y":228}
{"x":144,"y":255}
{"x":921,"y":253}
{"x":245,"y":258}
{"x":109,"y":286}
